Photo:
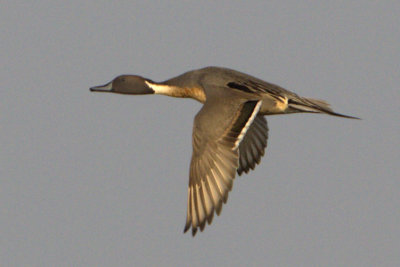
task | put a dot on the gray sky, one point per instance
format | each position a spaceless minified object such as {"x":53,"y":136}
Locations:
{"x":101,"y":180}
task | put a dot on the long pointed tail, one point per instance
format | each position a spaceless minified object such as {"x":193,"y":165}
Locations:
{"x":314,"y":106}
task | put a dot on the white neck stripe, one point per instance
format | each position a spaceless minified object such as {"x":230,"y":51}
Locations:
{"x":160,"y":89}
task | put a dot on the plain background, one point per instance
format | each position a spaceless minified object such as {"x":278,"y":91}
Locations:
{"x":100,"y":179}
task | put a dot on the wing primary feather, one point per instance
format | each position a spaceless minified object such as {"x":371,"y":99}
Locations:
{"x":188,"y":216}
{"x":219,"y":171}
{"x":201,"y":212}
{"x":208,"y":201}
{"x":194,"y":214}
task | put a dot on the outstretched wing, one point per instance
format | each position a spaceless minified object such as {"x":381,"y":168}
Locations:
{"x":218,"y":129}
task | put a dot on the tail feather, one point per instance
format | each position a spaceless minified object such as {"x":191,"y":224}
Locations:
{"x":314,"y":106}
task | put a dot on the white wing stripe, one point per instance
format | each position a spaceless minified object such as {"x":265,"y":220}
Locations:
{"x":248,"y":123}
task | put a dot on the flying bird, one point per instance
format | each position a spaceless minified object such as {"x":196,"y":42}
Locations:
{"x":230,"y":131}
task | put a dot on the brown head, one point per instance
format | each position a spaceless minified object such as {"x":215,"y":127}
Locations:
{"x":125,"y":84}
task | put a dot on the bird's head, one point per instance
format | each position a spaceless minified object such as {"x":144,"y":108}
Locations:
{"x":125,"y":84}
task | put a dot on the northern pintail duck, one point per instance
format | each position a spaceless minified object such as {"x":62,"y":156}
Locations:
{"x":230,"y":131}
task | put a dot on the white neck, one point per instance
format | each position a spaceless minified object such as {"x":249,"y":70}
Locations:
{"x":176,"y":91}
{"x":161,"y":89}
